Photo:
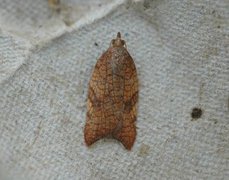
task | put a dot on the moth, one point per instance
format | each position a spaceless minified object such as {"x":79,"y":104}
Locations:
{"x":112,"y":97}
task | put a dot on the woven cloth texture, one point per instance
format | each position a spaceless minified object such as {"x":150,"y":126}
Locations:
{"x":181,"y":51}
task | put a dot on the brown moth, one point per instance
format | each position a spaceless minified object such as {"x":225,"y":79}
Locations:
{"x":112,"y":97}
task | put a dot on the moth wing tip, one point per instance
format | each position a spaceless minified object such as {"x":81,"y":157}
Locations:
{"x":127,"y":137}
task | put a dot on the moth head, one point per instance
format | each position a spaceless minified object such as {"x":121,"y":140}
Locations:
{"x":118,"y":42}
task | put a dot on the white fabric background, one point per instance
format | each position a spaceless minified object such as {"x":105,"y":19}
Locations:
{"x":181,"y":50}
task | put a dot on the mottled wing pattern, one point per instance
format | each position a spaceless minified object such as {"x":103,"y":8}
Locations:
{"x":127,"y":133}
{"x":112,"y":97}
{"x":99,"y":120}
